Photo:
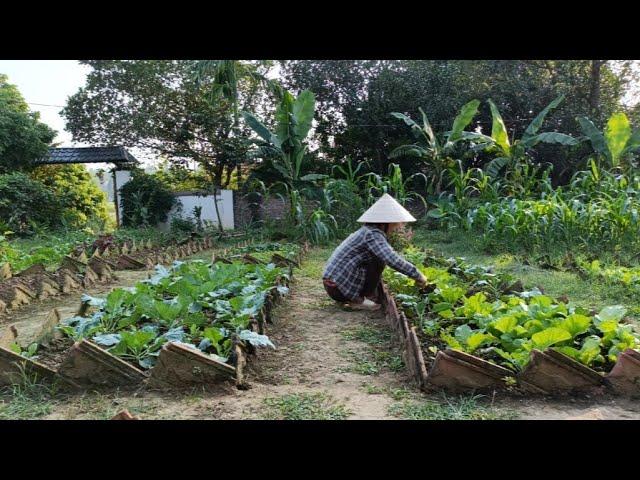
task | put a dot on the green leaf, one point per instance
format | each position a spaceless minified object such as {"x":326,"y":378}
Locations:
{"x":607,"y":326}
{"x":499,"y":130}
{"x":495,"y":165}
{"x":303,"y":109}
{"x":595,"y":136}
{"x":285,"y":173}
{"x":617,"y":133}
{"x":612,"y":312}
{"x":462,"y":333}
{"x":476,"y":305}
{"x":478,"y":137}
{"x":147,"y":362}
{"x":550,"y":137}
{"x":535,"y":125}
{"x":439,"y":307}
{"x":569,"y":352}
{"x":418,"y":133}
{"x":451,"y":294}
{"x":256,"y":339}
{"x":432,"y":140}
{"x":476,"y":339}
{"x":310,"y":177}
{"x":575,"y":324}
{"x":451,"y":341}
{"x":590,"y":350}
{"x":257,"y":126}
{"x":463,"y":119}
{"x":549,"y":336}
{"x":409,"y":151}
{"x":505,"y":324}
{"x":167,"y":312}
{"x":107,"y":340}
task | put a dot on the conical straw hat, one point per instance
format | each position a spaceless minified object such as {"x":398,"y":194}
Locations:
{"x":386,"y":210}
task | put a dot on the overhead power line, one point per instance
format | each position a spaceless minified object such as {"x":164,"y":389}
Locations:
{"x":45,"y":105}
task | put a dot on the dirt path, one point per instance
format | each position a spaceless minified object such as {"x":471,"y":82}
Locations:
{"x":325,"y":351}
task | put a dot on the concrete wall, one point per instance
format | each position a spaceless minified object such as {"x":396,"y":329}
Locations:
{"x":122,"y":177}
{"x":188,"y":200}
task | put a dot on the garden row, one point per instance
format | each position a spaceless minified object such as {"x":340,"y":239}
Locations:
{"x":471,"y":329}
{"x":50,"y":250}
{"x":192,"y":323}
{"x":86,"y":267}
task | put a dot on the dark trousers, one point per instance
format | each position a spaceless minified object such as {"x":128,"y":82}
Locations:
{"x":370,"y":289}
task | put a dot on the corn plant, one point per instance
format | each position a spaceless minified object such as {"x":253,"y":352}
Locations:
{"x":394,"y":184}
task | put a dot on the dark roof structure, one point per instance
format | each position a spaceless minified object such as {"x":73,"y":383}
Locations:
{"x":117,"y":155}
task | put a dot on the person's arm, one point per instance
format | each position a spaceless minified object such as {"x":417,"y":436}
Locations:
{"x":379,"y":246}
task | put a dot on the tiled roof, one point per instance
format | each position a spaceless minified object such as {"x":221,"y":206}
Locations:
{"x":89,"y":155}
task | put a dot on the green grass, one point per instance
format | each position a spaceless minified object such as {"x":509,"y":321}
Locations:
{"x":28,"y":399}
{"x":587,"y":293}
{"x":396,"y":394}
{"x":304,"y":406}
{"x":372,"y":389}
{"x":449,"y":408}
{"x":24,"y":407}
{"x":369,"y":334}
{"x":313,"y":264}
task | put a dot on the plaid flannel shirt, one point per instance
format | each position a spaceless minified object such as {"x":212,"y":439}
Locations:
{"x":346,"y":265}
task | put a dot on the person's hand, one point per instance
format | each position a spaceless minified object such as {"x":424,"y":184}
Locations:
{"x":422,"y":281}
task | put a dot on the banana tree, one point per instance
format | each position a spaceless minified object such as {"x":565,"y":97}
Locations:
{"x":512,"y":153}
{"x":294,"y":117}
{"x":436,"y":154}
{"x":618,"y":141}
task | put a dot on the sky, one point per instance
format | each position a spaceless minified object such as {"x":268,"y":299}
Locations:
{"x":47,"y":82}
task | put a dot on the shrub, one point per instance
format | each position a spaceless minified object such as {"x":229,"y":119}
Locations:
{"x":27,"y":205}
{"x":81,"y":198}
{"x":145,"y":201}
{"x":181,"y":225}
{"x":179,"y":178}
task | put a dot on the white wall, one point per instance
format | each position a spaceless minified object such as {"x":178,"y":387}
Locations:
{"x":122,"y":177}
{"x":225,"y":207}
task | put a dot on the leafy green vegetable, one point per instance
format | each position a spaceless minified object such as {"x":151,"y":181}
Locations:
{"x":470,"y":308}
{"x":193,"y":303}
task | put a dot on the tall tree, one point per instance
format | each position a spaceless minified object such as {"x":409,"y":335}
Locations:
{"x":356,"y":98}
{"x":594,"y":95}
{"x":23,"y":138}
{"x":161,"y":105}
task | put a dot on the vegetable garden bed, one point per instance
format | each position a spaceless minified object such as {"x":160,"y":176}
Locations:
{"x":85,"y":267}
{"x":472,"y":330}
{"x":192,"y":323}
